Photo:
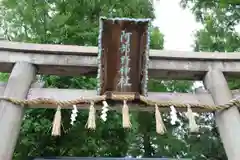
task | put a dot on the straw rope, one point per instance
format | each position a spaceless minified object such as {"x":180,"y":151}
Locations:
{"x":96,"y":99}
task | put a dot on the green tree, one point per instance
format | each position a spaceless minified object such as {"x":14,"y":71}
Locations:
{"x":216,"y":36}
{"x":227,"y":12}
{"x":219,"y":32}
{"x":219,"y":19}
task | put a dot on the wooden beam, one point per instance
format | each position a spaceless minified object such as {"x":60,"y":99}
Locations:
{"x":228,"y":121}
{"x":78,"y":60}
{"x":11,"y":115}
{"x":70,"y":94}
{"x":36,"y":91}
{"x":67,"y":94}
{"x":92,"y":51}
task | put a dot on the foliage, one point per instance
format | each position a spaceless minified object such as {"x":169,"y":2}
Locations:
{"x":157,"y":39}
{"x":227,"y":12}
{"x":76,"y":21}
{"x":219,"y":32}
{"x":219,"y":19}
{"x":3,"y":77}
{"x":216,"y":36}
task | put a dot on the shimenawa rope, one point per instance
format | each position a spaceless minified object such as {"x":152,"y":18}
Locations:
{"x":160,"y":127}
{"x":48,"y":101}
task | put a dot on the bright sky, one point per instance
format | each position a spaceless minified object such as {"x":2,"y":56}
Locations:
{"x":176,"y":24}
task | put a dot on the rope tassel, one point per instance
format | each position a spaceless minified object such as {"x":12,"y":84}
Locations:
{"x":160,"y":127}
{"x":91,"y":124}
{"x":56,"y":129}
{"x":125,"y":115}
{"x":191,"y":118}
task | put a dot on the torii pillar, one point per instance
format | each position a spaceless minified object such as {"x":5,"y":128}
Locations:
{"x":228,"y":121}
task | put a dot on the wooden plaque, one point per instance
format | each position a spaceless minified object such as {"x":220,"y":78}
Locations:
{"x":123,"y":55}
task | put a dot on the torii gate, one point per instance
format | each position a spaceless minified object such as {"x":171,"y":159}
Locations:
{"x":119,"y":77}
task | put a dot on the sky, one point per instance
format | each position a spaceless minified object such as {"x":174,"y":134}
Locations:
{"x":176,"y":24}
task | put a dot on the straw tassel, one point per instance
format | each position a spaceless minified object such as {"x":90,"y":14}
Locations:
{"x":191,"y":118}
{"x":56,"y":129}
{"x":91,"y":124}
{"x":160,"y":127}
{"x":125,"y":116}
